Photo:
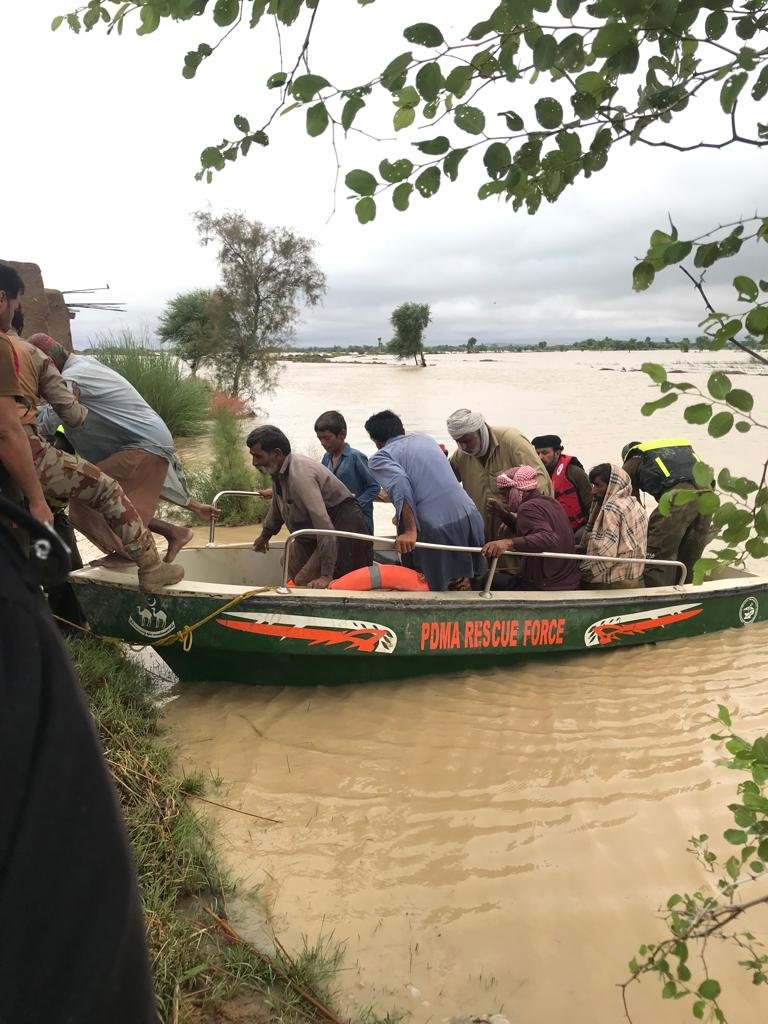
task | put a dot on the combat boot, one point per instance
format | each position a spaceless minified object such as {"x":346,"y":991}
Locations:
{"x":154,"y":574}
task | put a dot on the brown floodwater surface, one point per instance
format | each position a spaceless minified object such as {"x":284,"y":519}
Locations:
{"x":500,"y":840}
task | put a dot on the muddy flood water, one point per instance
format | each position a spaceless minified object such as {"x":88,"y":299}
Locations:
{"x":497,"y":841}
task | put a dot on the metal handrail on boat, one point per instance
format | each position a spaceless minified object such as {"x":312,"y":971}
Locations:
{"x":215,"y":503}
{"x":486,"y":591}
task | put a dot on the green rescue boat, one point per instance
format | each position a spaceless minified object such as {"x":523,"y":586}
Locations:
{"x":233,"y":619}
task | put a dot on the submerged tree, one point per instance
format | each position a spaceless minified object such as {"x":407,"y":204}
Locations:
{"x":471,"y":344}
{"x":193,"y":329}
{"x":409,"y":320}
{"x":265,"y":274}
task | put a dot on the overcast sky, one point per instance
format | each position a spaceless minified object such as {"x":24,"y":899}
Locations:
{"x":98,"y":182}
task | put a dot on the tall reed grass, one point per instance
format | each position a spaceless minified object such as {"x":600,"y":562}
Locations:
{"x":179,"y":399}
{"x":230,"y":471}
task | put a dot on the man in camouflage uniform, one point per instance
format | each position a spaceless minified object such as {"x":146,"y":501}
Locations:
{"x":63,"y":476}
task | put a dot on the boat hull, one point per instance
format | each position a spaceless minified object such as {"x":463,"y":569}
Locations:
{"x":326,"y":637}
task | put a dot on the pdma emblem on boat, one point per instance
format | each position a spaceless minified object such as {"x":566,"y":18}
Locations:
{"x":748,"y":610}
{"x":609,"y":631}
{"x":350,"y":635}
{"x":153,"y":622}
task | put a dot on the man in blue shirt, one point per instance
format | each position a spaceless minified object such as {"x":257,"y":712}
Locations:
{"x":346,"y":463}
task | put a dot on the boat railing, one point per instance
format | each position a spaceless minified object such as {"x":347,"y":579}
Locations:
{"x":426,"y":546}
{"x":215,"y":503}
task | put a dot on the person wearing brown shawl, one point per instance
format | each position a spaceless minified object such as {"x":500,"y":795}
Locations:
{"x":619,"y":530}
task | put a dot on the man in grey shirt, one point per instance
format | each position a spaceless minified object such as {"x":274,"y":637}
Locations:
{"x":304,"y":495}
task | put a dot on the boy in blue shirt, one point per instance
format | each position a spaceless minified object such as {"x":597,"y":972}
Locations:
{"x":346,"y":463}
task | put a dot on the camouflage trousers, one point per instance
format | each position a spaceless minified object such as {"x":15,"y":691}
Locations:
{"x":63,"y":476}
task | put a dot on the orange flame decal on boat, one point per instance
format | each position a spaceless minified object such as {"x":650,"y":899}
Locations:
{"x":608,"y":631}
{"x":365,"y":637}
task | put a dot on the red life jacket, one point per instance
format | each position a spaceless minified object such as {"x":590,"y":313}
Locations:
{"x":566,"y":493}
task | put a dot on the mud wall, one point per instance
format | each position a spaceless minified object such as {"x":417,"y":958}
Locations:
{"x":44,"y":308}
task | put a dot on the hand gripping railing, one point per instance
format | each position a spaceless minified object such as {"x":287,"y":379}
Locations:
{"x":215,"y":503}
{"x":486,"y":591}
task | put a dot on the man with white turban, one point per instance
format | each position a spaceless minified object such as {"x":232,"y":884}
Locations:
{"x":483,"y":453}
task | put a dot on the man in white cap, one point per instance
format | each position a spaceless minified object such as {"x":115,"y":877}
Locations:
{"x":483,"y":453}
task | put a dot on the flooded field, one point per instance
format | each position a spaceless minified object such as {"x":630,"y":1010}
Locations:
{"x":496,"y":841}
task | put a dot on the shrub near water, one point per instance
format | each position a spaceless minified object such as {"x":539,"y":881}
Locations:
{"x":180,"y":400}
{"x":230,"y":471}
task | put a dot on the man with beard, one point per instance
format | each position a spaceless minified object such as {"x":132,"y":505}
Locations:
{"x":619,"y":530}
{"x":569,"y":481}
{"x":483,"y":452}
{"x":304,"y":495}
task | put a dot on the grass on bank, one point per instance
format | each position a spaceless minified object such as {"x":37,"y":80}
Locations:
{"x":179,"y":399}
{"x":198,"y":961}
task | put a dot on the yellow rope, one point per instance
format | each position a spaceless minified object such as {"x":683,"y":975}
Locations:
{"x":184,"y":636}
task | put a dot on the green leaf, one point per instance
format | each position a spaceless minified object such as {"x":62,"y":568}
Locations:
{"x":451,"y":163}
{"x":545,"y":52}
{"x":428,"y":182}
{"x":469,"y":119}
{"x":351,"y":109}
{"x":655,"y":371}
{"x":459,"y":80}
{"x":404,"y":116}
{"x":365,"y":209}
{"x":395,"y":71}
{"x":317,"y":120}
{"x":720,"y":424}
{"x":698,"y":1009}
{"x":718,"y":385}
{"x":434,"y":147}
{"x":242,"y":125}
{"x":724,"y":715}
{"x":497,"y":159}
{"x":701,"y":412}
{"x":716,"y":24}
{"x":211,"y":158}
{"x":736,"y":837}
{"x":305,"y":87}
{"x":362,"y":182}
{"x":150,"y":19}
{"x":568,"y":7}
{"x":743,"y":427}
{"x":424,"y":34}
{"x":669,"y":991}
{"x":741,"y":400}
{"x":399,"y":170}
{"x":756,"y":321}
{"x":611,"y":38}
{"x":730,"y":91}
{"x":703,"y":476}
{"x":661,"y":403}
{"x":225,"y":12}
{"x":57,"y":21}
{"x":746,"y":287}
{"x":549,"y":113}
{"x":709,"y":989}
{"x":401,"y":196}
{"x":642,"y":276}
{"x":707,"y":503}
{"x":429,"y":80}
{"x":590,"y":82}
{"x":275,"y":81}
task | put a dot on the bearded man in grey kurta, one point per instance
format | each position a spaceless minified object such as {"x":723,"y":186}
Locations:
{"x":483,"y":453}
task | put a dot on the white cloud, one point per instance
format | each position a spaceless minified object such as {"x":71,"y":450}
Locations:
{"x":100,"y":166}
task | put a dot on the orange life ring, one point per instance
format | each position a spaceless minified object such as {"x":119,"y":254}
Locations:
{"x":381,"y":576}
